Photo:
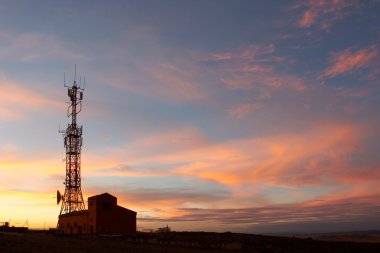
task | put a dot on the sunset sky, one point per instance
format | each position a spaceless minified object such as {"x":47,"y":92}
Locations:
{"x":244,"y":116}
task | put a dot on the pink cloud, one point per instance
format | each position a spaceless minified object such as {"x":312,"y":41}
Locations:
{"x":248,"y":53}
{"x":281,"y":160}
{"x":237,"y":82}
{"x":317,"y":157}
{"x":308,"y":19}
{"x":310,"y":157}
{"x":323,"y":12}
{"x":183,"y":138}
{"x":304,"y":214}
{"x":256,"y":69}
{"x":243,"y":109}
{"x":16,"y":101}
{"x":255,"y":66}
{"x":30,"y":47}
{"x":249,"y":78}
{"x":163,"y":81}
{"x":175,"y":85}
{"x":348,"y":61}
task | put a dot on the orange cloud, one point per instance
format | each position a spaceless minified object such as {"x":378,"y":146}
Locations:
{"x":305,"y":158}
{"x":280,"y":217}
{"x":347,"y":61}
{"x":16,"y":101}
{"x":282,"y":160}
{"x":309,"y":157}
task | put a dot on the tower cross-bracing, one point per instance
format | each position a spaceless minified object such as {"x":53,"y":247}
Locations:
{"x":72,"y":199}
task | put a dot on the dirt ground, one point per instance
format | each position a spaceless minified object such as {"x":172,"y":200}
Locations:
{"x":173,"y":242}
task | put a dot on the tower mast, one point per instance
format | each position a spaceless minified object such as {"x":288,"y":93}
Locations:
{"x":72,"y":199}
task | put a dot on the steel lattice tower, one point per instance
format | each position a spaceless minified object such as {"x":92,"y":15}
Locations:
{"x":72,"y":199}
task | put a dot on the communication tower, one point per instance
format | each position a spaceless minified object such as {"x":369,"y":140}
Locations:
{"x":72,"y":199}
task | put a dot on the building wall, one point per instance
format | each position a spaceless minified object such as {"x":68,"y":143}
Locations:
{"x":103,"y":216}
{"x":74,"y":223}
{"x":116,"y":220}
{"x":109,"y":218}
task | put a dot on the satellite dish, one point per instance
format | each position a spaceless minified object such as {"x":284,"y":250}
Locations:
{"x":59,"y":197}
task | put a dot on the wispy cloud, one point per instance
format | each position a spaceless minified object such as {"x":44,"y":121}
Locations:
{"x":255,"y":66}
{"x":243,"y":109}
{"x":316,"y":156}
{"x":36,"y":47}
{"x":174,"y":82}
{"x":347,"y":210}
{"x":348,"y":61}
{"x":249,"y":53}
{"x":162,"y":81}
{"x":279,"y":160}
{"x":16,"y":101}
{"x":324,"y":13}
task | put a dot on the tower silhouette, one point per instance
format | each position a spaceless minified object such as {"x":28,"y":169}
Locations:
{"x":72,"y":199}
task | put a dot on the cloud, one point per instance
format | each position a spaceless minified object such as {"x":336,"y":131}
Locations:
{"x":248,"y":53}
{"x":36,"y":47}
{"x":315,"y":156}
{"x":247,"y":68}
{"x":162,"y":81}
{"x":342,"y":211}
{"x":172,"y":82}
{"x":150,"y":191}
{"x":16,"y":101}
{"x":243,"y":109}
{"x":324,"y":13}
{"x":186,"y":137}
{"x":308,"y":19}
{"x":347,"y":61}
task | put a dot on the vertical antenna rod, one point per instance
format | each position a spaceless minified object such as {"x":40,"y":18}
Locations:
{"x":72,"y":199}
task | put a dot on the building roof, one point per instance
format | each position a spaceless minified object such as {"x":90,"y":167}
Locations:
{"x":75,"y":213}
{"x":106,"y":194}
{"x":126,"y":209}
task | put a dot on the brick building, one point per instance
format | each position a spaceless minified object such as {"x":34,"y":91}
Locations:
{"x":103,"y":216}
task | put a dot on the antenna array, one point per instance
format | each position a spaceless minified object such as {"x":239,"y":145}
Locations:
{"x":72,"y":199}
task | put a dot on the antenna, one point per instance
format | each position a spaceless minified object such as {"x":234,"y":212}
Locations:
{"x":72,"y":199}
{"x":26,"y":224}
{"x":59,"y":197}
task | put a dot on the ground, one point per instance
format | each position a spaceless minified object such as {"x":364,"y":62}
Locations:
{"x":175,"y":242}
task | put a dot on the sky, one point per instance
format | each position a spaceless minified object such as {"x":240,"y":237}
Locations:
{"x":242,"y":116}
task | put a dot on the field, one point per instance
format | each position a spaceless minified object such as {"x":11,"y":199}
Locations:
{"x":186,"y":242}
